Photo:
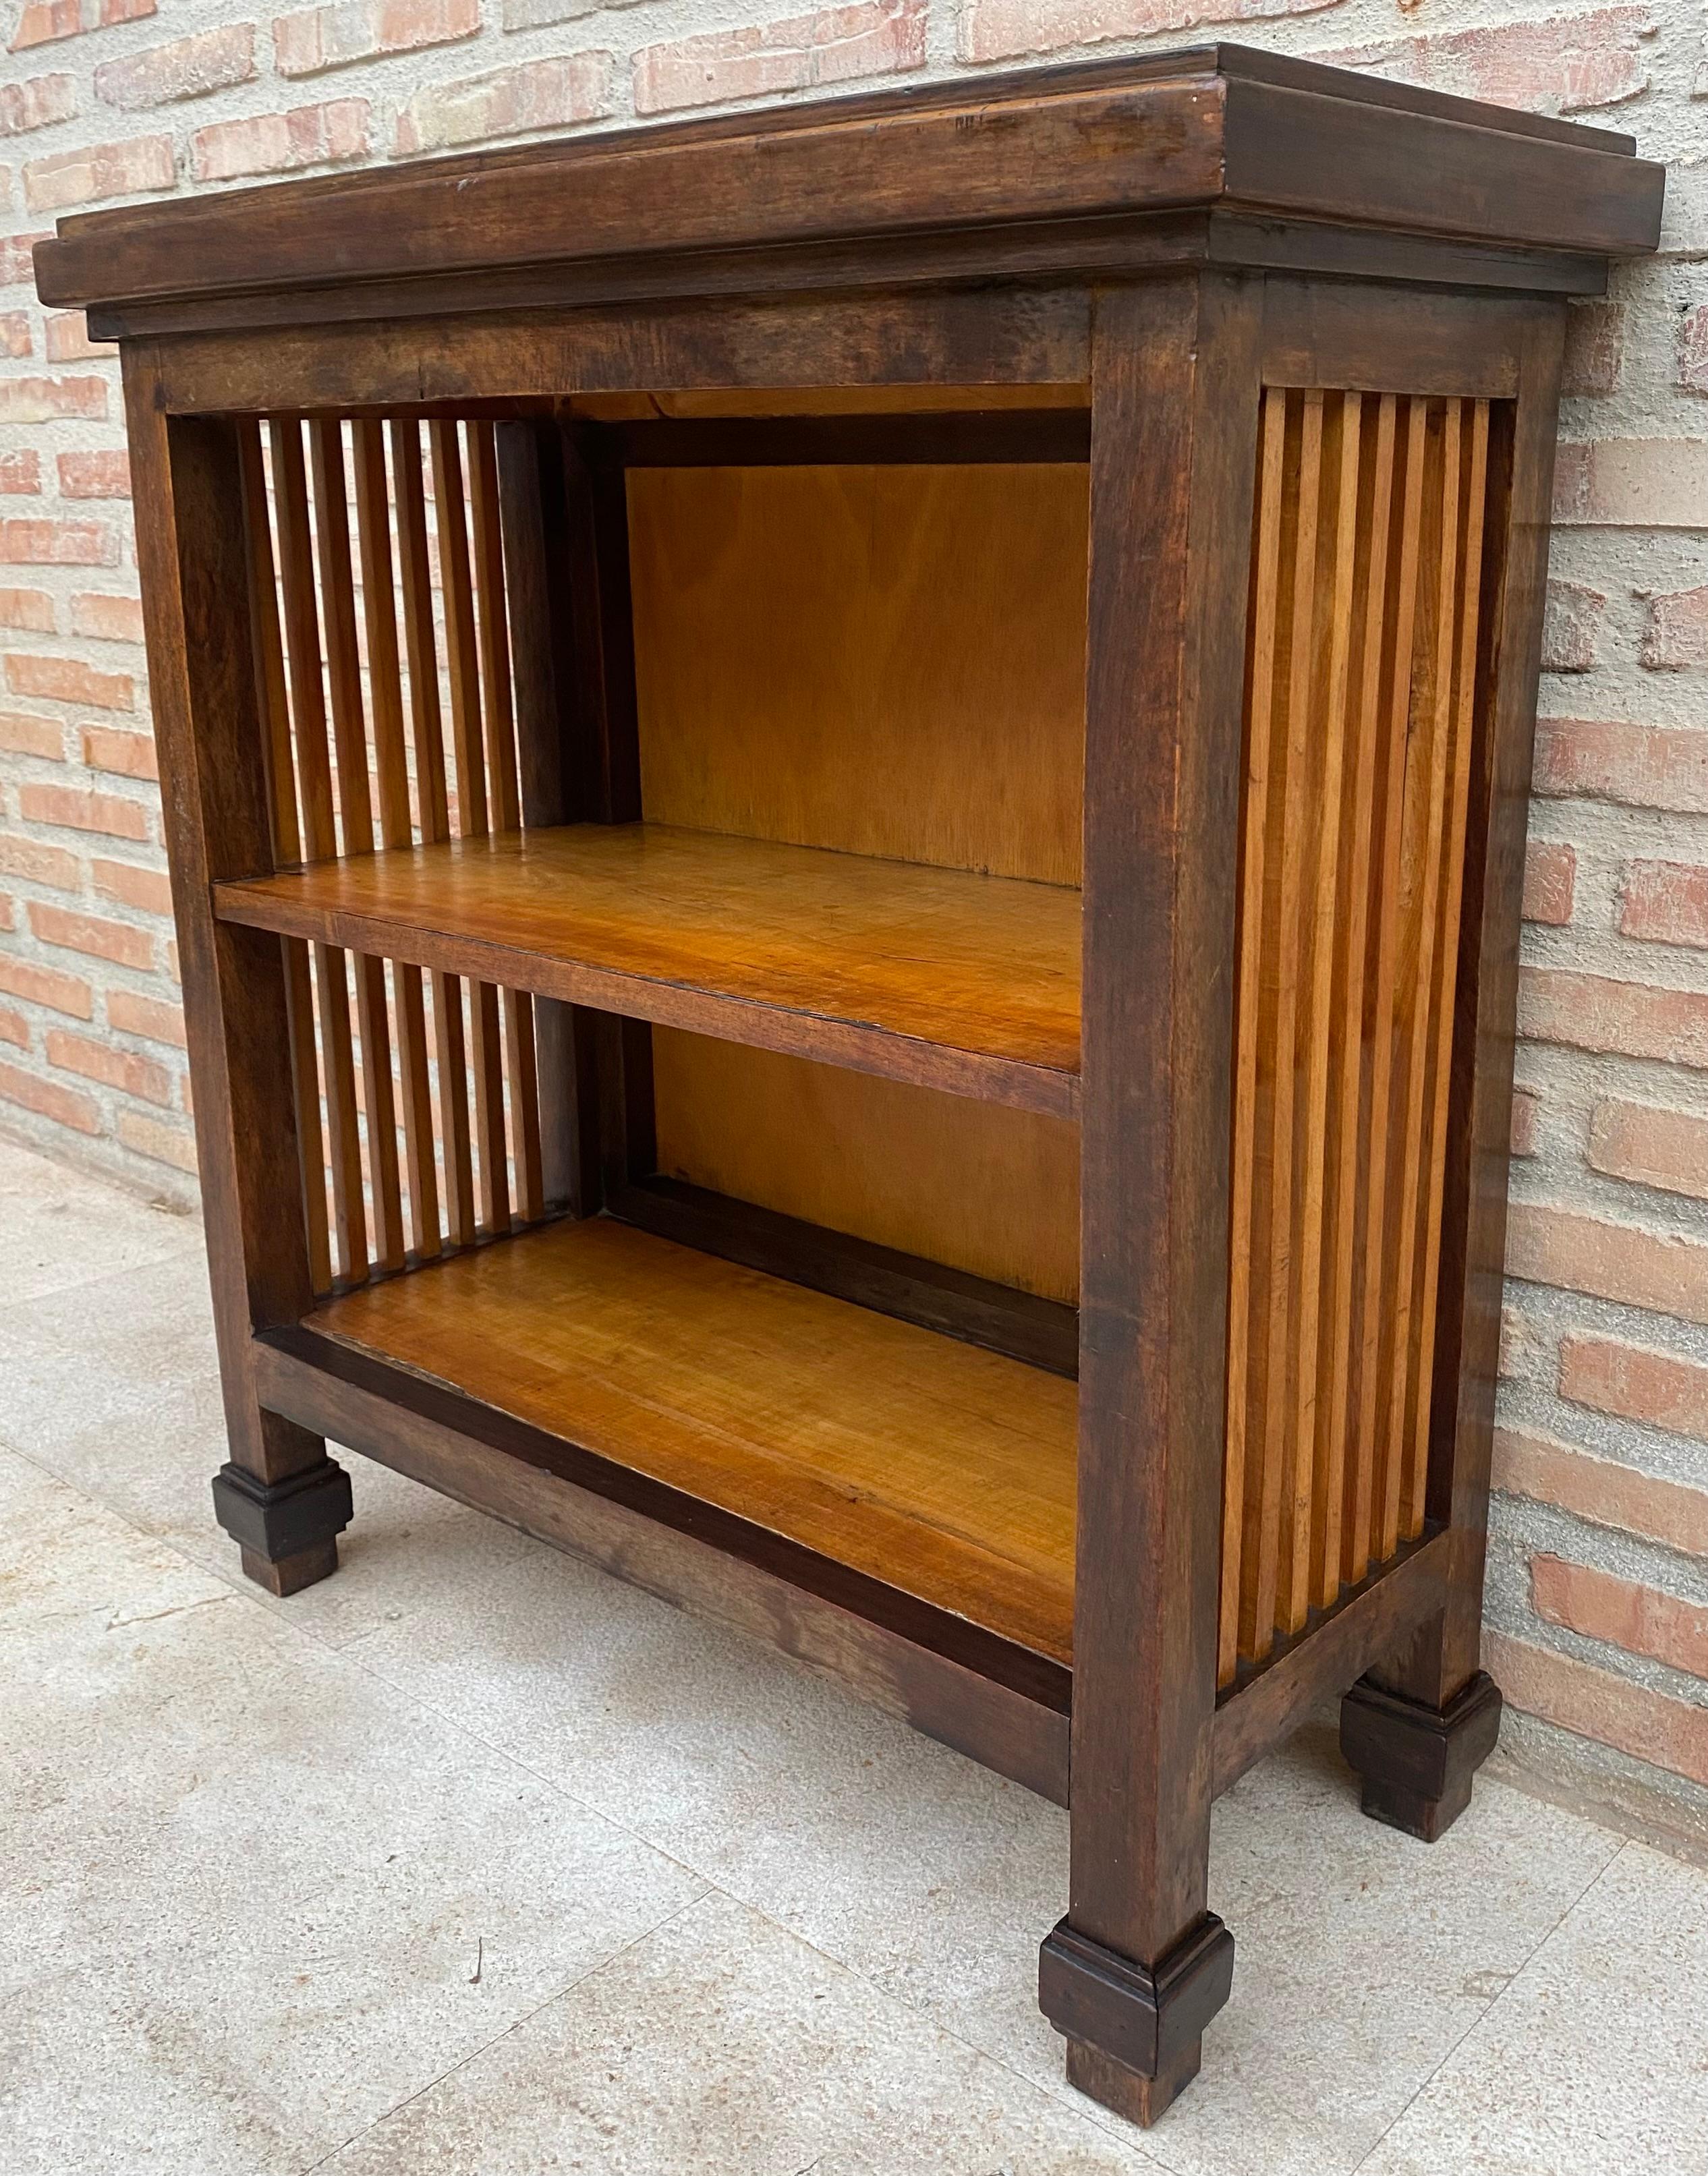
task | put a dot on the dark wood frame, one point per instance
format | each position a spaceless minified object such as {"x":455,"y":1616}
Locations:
{"x":1153,"y":243}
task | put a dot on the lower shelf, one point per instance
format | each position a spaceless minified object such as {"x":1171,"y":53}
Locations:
{"x":942,"y":1470}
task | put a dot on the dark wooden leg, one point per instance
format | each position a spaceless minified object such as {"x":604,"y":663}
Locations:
{"x":1416,"y":1758}
{"x":1139,"y":1967}
{"x":280,"y":1496}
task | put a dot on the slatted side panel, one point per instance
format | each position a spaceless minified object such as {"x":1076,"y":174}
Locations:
{"x":1367,"y":571}
{"x":378,"y":587}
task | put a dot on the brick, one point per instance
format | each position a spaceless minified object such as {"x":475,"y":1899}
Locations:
{"x":126,"y":755}
{"x":94,"y":934}
{"x":1693,"y":350}
{"x":22,"y":735}
{"x":1595,"y":350}
{"x":65,"y":680}
{"x":1638,"y":766}
{"x":315,"y":39}
{"x":1635,"y":483}
{"x":37,"y":102}
{"x":1675,"y":634}
{"x":105,"y":812}
{"x":68,"y":341}
{"x":44,"y":543}
{"x":32,"y":609}
{"x":1602,"y":1490}
{"x":146,"y":889}
{"x":40,"y":863}
{"x":14,"y":1027}
{"x":46,"y":986}
{"x":550,"y":94}
{"x":833,"y":45}
{"x":992,"y":29}
{"x":15,"y":335}
{"x":186,"y":68}
{"x":20,"y":471}
{"x":132,"y":168}
{"x":1577,"y":1253}
{"x":1525,"y":1106}
{"x":67,"y":1107}
{"x":151,"y":1137}
{"x":42,"y":21}
{"x":1643,"y":1620}
{"x":129,"y":1014}
{"x":1571,"y":627}
{"x":1566,"y":64}
{"x":17,"y":266}
{"x":1650,"y":1145}
{"x":1630,"y":1381}
{"x":279,"y":142}
{"x":1550,"y":877}
{"x":43,"y":399}
{"x":1668,"y":1733}
{"x":1635,"y":1020}
{"x":126,"y":1070}
{"x":107,"y":619}
{"x":8,"y":910}
{"x":94,"y":475}
{"x":1666,"y":902}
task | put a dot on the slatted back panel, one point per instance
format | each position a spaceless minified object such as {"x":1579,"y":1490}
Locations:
{"x":1362,"y":719}
{"x":378,"y":589}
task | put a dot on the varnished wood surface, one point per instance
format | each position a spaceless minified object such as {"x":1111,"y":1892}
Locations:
{"x":1362,"y":725}
{"x":1204,"y":126}
{"x":963,"y":982}
{"x":981,"y":1188}
{"x":918,"y":1460}
{"x":802,"y":633}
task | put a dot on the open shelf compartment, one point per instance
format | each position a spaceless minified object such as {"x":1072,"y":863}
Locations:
{"x":939,"y":1470}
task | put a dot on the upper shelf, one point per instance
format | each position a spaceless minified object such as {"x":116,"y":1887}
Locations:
{"x":963,"y":982}
{"x":1215,"y":130}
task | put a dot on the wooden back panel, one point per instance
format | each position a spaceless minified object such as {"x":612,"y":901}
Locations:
{"x":377,"y":596}
{"x":1362,"y":707}
{"x":891,"y":661}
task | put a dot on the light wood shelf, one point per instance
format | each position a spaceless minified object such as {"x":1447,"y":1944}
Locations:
{"x":943,"y":1470}
{"x":939,"y":976}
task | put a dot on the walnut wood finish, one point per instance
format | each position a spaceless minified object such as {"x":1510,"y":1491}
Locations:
{"x":696,"y":714}
{"x":958,"y":981}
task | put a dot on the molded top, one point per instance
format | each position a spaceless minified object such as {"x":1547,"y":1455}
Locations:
{"x":1214,"y":129}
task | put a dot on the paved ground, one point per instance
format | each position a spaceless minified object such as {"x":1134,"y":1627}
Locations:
{"x":471,"y":1862}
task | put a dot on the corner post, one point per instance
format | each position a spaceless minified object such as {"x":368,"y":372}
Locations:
{"x":1140,"y":1965}
{"x":279,"y":1497}
{"x":1418,"y":1726}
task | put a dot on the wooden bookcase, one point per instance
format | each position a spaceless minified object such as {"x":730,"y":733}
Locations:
{"x":847,"y":795}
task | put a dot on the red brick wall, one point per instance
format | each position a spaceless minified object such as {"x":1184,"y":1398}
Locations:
{"x":1598,"y":1601}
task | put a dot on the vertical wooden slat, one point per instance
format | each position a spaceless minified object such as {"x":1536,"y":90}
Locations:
{"x":356,"y":810}
{"x":1336,"y":1420}
{"x":287,"y":847}
{"x":1462,"y":716}
{"x":314,"y":774}
{"x":1380,"y":1001}
{"x":1323,"y":816}
{"x":1435,"y":718}
{"x":1260,"y":706}
{"x":427,"y":731}
{"x":516,"y":1006}
{"x":493,"y":1199}
{"x":391,"y":771}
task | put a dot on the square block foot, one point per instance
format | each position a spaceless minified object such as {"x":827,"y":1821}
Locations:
{"x":290,"y":1575}
{"x":1130,"y":2093}
{"x":1417,"y":1762}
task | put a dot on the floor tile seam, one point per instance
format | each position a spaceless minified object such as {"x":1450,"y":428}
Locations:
{"x":1486,"y":2012}
{"x":516,"y":2025}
